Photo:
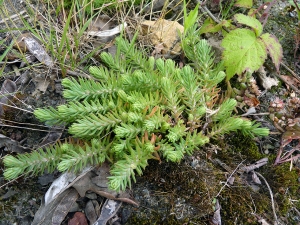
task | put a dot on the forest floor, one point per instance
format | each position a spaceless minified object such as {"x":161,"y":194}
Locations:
{"x":167,"y":193}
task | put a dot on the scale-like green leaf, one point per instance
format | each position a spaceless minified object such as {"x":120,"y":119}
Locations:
{"x":274,"y":48}
{"x":243,"y":52}
{"x":249,"y":21}
{"x":244,"y":3}
{"x":120,"y":120}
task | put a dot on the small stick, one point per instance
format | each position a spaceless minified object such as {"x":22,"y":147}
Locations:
{"x":10,"y":180}
{"x":291,"y":71}
{"x":26,"y":128}
{"x":296,"y":5}
{"x":271,"y":195}
{"x":14,"y":16}
{"x":235,"y":170}
{"x":287,"y":82}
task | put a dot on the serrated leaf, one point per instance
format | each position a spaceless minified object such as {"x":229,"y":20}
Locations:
{"x":249,"y":21}
{"x":244,"y":3}
{"x":210,"y":26}
{"x":274,"y":48}
{"x":243,"y":52}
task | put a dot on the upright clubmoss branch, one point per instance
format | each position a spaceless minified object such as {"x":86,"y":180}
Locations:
{"x":145,"y":109}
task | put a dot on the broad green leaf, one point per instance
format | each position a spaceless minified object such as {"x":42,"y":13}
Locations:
{"x":243,"y":52}
{"x":274,"y":48}
{"x":251,"y":22}
{"x":244,"y":3}
{"x":210,"y":26}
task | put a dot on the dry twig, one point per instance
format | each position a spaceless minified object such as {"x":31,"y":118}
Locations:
{"x":271,"y":196}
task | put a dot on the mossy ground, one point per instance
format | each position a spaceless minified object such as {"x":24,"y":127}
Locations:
{"x":183,"y":193}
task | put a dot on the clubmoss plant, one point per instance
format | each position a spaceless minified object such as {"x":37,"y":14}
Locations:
{"x":137,"y":108}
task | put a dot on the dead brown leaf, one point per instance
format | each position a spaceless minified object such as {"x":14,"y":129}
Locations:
{"x":78,"y":219}
{"x":99,"y":184}
{"x":290,"y":134}
{"x":90,"y":212}
{"x":8,"y":90}
{"x":252,"y":101}
{"x":163,"y":32}
{"x":63,"y":207}
{"x":291,"y":80}
{"x":45,"y":213}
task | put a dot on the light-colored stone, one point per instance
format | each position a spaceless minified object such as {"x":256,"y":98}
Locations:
{"x":163,"y":32}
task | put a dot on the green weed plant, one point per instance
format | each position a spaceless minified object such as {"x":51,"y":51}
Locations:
{"x":245,"y":49}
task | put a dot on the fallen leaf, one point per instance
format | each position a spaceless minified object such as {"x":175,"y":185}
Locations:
{"x":157,"y":49}
{"x":58,"y":186}
{"x":250,"y":111}
{"x":252,"y":101}
{"x":163,"y":32}
{"x":101,"y":23}
{"x":8,"y":90}
{"x":11,"y":145}
{"x":19,"y":44}
{"x":62,"y":183}
{"x":255,"y":165}
{"x":101,"y":180}
{"x":291,"y":133}
{"x":291,"y":80}
{"x":45,"y":212}
{"x":255,"y":178}
{"x":51,"y":137}
{"x":26,"y":42}
{"x":109,"y":209}
{"x":216,"y":220}
{"x":263,"y":222}
{"x":98,"y":25}
{"x":41,"y":85}
{"x":90,"y":212}
{"x":108,"y":33}
{"x":36,"y":49}
{"x":60,"y":189}
{"x":99,"y":184}
{"x":230,"y":180}
{"x":63,"y":207}
{"x":265,"y":81}
{"x":78,"y":219}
